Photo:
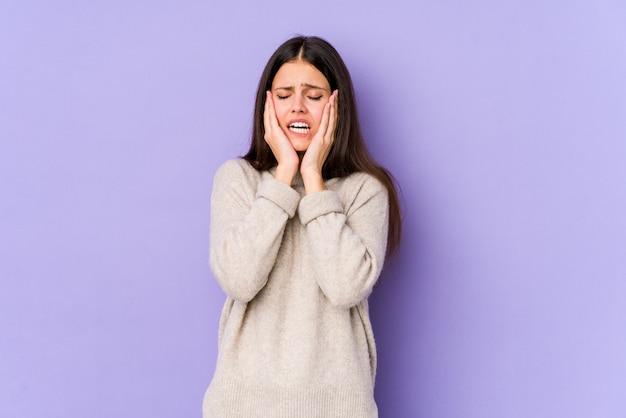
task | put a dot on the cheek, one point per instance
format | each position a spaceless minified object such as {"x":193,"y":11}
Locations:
{"x":317,"y":114}
{"x":282,"y":111}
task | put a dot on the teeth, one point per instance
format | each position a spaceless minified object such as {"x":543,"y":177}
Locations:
{"x":299,"y":128}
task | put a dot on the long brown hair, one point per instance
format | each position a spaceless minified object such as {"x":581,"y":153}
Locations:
{"x":348,"y":153}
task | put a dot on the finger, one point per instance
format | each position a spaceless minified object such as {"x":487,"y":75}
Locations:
{"x":266,"y":113}
{"x":329,"y":125}
{"x":332,"y":123}
{"x":270,"y":119}
{"x":273,"y":119}
{"x":323,"y":128}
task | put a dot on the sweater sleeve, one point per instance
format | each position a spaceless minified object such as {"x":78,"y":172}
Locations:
{"x":248,"y":218}
{"x":348,"y":244}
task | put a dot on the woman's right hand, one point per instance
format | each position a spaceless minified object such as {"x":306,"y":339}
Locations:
{"x":286,"y":156}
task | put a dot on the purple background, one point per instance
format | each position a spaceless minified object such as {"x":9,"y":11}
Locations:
{"x":504,"y":122}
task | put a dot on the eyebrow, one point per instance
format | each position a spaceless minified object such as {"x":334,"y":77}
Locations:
{"x":307,"y":85}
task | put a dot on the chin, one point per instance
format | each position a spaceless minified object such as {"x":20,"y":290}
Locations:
{"x":300,"y":145}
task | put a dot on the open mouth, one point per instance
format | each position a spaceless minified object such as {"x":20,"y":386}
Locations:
{"x":301,"y":128}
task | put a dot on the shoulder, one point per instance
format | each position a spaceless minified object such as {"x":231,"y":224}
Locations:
{"x":235,"y":166}
{"x":359,"y":183}
{"x":237,"y":170}
{"x":359,"y":189}
{"x":235,"y":181}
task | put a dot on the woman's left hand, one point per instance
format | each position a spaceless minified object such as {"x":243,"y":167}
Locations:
{"x":315,"y":156}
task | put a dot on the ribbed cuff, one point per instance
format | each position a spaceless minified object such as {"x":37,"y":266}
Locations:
{"x":318,"y":204}
{"x":282,"y":195}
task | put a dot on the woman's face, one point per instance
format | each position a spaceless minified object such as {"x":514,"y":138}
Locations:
{"x":300,"y":92}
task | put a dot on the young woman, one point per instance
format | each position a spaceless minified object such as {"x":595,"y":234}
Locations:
{"x":300,"y":228}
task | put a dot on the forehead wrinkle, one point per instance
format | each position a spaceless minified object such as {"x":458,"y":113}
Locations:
{"x":312,"y":86}
{"x":307,"y":85}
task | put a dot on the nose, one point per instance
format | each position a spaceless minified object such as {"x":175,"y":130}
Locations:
{"x":298,"y":104}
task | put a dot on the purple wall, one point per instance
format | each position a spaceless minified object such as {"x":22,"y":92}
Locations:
{"x":505,"y":124}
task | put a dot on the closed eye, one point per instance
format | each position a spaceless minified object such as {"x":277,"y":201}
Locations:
{"x":282,"y":97}
{"x":316,"y":98}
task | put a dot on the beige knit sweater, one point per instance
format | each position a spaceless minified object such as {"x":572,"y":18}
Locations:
{"x":295,"y":338}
